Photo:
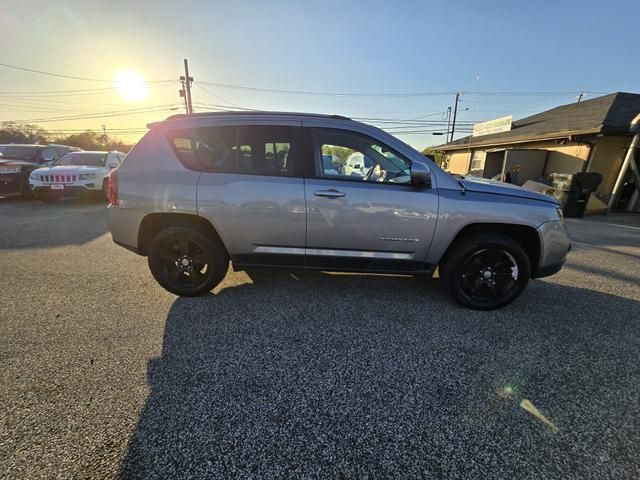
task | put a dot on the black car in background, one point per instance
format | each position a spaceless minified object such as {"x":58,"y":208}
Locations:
{"x":18,"y":161}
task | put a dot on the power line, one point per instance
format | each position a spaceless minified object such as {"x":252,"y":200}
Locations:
{"x":404,"y":122}
{"x":317,"y":93}
{"x":422,"y":132}
{"x":197,"y":84}
{"x":51,"y":74}
{"x":299,"y":92}
{"x":227,"y":107}
{"x":73,"y":93}
{"x":46,"y":102}
{"x":19,"y":106}
{"x":62,"y":75}
{"x":382,"y":94}
{"x":56,"y":92}
{"x":151,"y":109}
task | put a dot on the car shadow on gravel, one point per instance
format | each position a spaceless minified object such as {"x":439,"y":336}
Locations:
{"x":33,"y":224}
{"x":350,"y":376}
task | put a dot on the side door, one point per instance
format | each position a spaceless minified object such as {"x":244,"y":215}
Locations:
{"x":252,"y":191}
{"x":373,"y":219}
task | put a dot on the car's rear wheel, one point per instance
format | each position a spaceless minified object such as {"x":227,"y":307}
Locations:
{"x":187,"y":262}
{"x":486,"y":271}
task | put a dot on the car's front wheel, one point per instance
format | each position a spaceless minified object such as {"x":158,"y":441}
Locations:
{"x":486,"y":271}
{"x":187,"y":262}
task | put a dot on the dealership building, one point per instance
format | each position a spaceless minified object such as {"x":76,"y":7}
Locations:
{"x":597,"y":135}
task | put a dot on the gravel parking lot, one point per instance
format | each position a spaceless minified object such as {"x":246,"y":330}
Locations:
{"x":314,"y":375}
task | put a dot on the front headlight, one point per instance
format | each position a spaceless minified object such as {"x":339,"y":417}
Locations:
{"x":560,"y":215}
{"x":87,"y":176}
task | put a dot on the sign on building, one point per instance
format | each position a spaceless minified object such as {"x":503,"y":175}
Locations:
{"x":502,"y":124}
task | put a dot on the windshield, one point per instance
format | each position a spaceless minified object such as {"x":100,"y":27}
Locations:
{"x":84,"y":158}
{"x":19,"y":152}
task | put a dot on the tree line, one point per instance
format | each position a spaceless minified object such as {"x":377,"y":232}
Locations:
{"x":12,"y":132}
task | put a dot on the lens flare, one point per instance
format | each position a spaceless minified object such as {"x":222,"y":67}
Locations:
{"x":130,"y":86}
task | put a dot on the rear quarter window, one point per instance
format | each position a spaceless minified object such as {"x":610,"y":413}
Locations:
{"x":246,"y":150}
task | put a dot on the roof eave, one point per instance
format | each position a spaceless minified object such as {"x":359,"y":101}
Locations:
{"x":527,"y":139}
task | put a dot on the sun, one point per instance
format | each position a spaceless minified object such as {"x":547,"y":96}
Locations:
{"x":130,"y":85}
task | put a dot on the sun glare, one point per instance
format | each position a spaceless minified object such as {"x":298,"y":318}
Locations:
{"x":130,"y":86}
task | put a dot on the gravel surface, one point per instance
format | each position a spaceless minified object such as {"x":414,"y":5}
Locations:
{"x":309,"y":375}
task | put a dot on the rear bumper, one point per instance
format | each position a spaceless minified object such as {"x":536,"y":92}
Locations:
{"x":124,"y":224}
{"x":554,"y":246}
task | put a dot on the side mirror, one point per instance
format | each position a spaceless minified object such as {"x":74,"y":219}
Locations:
{"x":420,"y":175}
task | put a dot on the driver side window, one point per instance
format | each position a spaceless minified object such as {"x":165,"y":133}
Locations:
{"x":352,"y":156}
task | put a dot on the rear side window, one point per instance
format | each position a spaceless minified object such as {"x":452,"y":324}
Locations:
{"x":248,"y":150}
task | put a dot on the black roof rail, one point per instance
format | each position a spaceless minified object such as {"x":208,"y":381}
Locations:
{"x":252,"y":112}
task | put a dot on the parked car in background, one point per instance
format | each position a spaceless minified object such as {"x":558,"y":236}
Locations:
{"x":330,"y":164}
{"x":75,"y":173}
{"x":18,"y":161}
{"x":357,"y":164}
{"x":188,"y":200}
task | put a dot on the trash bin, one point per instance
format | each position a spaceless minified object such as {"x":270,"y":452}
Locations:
{"x":573,"y":191}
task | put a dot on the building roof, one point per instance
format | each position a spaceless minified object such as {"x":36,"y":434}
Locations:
{"x":610,"y":115}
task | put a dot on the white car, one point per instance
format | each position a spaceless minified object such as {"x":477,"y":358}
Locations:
{"x":75,"y":173}
{"x":357,"y":164}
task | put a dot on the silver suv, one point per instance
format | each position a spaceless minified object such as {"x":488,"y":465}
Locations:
{"x":266,"y":189}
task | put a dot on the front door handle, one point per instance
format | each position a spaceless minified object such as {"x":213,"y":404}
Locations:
{"x":332,"y":193}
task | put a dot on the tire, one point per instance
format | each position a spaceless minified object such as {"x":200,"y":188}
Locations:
{"x":479,"y":271}
{"x":25,"y":190}
{"x":207,"y":259}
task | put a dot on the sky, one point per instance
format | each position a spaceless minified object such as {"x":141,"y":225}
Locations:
{"x":508,"y":58}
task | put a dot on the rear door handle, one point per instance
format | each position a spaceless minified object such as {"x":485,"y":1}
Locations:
{"x":328,"y":193}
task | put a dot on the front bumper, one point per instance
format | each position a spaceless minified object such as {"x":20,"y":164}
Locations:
{"x":10,"y":184}
{"x":67,"y":189}
{"x":554,"y":246}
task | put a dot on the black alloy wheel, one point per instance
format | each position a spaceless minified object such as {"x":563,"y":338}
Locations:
{"x":486,"y":271}
{"x":489,"y":275}
{"x":187,"y":262}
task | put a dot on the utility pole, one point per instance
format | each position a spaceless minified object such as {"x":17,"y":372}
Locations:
{"x":186,"y":82}
{"x":580,"y":96}
{"x":183,"y":95}
{"x":448,"y":122}
{"x":455,"y":113}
